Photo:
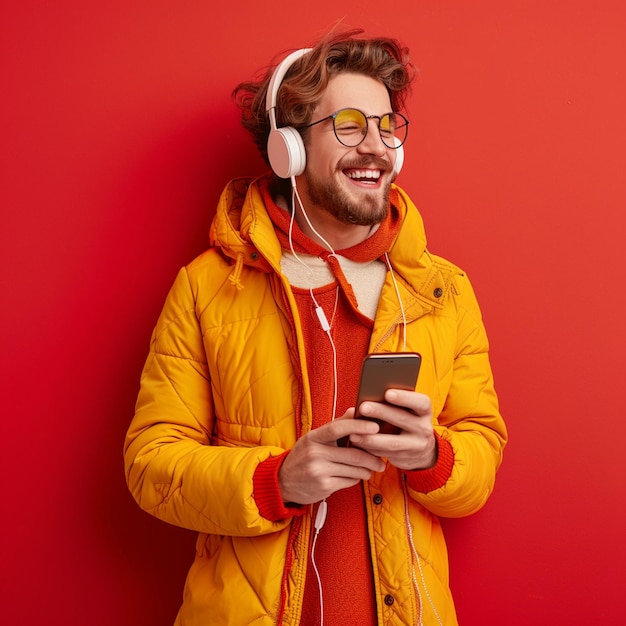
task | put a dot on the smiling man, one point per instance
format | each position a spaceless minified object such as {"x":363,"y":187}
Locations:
{"x":248,"y":395}
{"x":351,"y":186}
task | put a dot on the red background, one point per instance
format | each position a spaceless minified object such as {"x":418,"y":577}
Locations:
{"x":117,"y":136}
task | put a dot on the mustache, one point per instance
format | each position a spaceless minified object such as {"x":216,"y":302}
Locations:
{"x":365,"y":162}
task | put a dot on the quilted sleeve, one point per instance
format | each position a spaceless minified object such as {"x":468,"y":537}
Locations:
{"x":470,"y":420}
{"x":172,"y":469}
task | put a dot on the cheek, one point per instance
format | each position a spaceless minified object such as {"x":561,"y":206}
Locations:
{"x":324,"y":158}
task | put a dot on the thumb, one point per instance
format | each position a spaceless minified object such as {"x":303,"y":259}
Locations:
{"x":349,"y":414}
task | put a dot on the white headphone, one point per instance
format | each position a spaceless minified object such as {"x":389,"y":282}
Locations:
{"x":285,"y":148}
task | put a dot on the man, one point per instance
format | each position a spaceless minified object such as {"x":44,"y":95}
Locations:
{"x":254,"y":369}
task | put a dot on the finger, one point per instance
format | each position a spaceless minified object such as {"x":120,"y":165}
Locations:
{"x":382,"y":445}
{"x":397,"y":416}
{"x":330,"y":433}
{"x":357,"y":459}
{"x":404,"y":418}
{"x":419,"y":403}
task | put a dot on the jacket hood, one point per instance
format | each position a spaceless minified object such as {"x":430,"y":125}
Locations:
{"x":242,"y":225}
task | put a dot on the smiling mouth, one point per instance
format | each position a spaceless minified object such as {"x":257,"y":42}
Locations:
{"x":364,"y":176}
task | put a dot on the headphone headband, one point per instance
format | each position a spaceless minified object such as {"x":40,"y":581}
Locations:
{"x":277,"y":78}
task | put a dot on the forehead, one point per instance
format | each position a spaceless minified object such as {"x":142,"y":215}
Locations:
{"x":355,"y":91}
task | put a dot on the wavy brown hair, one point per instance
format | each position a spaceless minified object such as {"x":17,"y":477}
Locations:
{"x":381,"y":58}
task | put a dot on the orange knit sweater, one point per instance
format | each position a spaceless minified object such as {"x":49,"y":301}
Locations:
{"x":342,"y":550}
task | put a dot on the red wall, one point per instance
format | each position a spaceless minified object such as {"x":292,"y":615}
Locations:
{"x":117,"y":135}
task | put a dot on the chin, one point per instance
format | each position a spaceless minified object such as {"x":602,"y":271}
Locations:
{"x":369,"y":207}
{"x":348,"y":203}
{"x":362,"y":212}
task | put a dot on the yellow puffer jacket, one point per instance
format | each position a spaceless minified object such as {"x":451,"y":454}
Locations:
{"x":225,"y":387}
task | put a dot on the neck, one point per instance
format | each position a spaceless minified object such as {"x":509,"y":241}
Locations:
{"x":325,"y":227}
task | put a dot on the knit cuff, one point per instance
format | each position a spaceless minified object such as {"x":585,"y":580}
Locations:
{"x":266,"y":491}
{"x":426,"y":480}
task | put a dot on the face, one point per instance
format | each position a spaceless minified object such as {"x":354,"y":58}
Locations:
{"x":349,"y":184}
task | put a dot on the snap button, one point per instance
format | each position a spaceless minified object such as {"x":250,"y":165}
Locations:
{"x":378,"y":499}
{"x":389,"y":600}
{"x":438,"y":292}
{"x":255,"y":256}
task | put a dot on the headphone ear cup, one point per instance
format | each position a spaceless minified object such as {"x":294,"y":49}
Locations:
{"x":397,"y":166}
{"x":286,"y":152}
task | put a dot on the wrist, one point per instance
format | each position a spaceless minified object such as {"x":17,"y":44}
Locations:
{"x":425,"y":480}
{"x":267,"y":491}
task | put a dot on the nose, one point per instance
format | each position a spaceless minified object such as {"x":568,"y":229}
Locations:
{"x":372,"y":144}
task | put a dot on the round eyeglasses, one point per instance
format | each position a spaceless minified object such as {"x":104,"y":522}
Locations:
{"x":351,"y":126}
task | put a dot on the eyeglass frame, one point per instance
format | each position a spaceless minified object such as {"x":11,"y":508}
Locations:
{"x":333,"y":117}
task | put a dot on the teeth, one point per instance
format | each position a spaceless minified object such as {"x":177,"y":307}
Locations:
{"x":375,"y":174}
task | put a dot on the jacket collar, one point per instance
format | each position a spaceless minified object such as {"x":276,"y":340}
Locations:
{"x":244,"y":232}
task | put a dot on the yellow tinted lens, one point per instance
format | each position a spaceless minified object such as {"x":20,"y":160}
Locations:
{"x":393,"y":129}
{"x":350,"y":127}
{"x":388,"y":124}
{"x":350,"y":119}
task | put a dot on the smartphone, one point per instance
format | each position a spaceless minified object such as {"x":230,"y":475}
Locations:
{"x":382,"y":371}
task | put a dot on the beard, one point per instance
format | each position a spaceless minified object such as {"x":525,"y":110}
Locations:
{"x":367,"y":210}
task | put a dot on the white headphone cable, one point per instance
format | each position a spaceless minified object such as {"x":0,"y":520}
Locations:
{"x":322,"y":510}
{"x":325,"y":324}
{"x":416,"y":558}
{"x":320,"y":518}
{"x":395,"y":286}
{"x":295,"y":194}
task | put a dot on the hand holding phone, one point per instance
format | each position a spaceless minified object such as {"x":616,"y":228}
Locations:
{"x":383,"y":371}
